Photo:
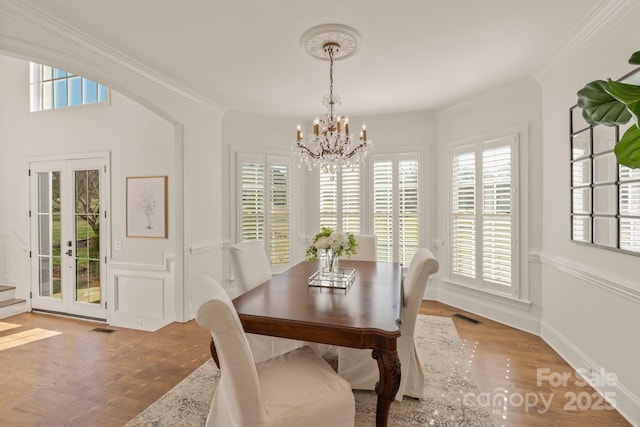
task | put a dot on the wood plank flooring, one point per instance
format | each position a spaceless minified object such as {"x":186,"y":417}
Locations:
{"x":82,"y":377}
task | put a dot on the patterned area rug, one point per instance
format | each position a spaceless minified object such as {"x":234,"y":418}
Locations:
{"x":450,"y":399}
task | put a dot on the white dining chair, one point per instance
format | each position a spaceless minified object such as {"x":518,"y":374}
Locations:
{"x":295,"y":389}
{"x":361,"y":370}
{"x":367,"y":248}
{"x":251,"y":268}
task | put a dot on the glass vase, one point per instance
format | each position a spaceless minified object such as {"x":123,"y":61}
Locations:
{"x":330,"y":260}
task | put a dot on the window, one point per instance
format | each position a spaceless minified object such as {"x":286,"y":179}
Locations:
{"x":264,"y":205}
{"x":483,"y":214}
{"x":605,"y":196}
{"x":55,"y":88}
{"x":340,"y":200}
{"x":396,"y":206}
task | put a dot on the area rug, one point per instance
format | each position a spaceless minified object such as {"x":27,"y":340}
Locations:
{"x":450,"y":398}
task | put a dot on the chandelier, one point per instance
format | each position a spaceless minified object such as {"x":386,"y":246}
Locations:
{"x":332,"y":146}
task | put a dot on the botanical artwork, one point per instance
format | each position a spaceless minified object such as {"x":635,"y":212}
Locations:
{"x":147,"y":206}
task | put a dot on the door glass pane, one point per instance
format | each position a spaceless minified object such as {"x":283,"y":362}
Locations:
{"x":87,"y":235}
{"x":48,"y":222}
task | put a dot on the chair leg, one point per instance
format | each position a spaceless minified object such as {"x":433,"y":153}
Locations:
{"x":214,"y":353}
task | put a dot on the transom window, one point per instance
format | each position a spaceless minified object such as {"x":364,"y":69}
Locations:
{"x":55,"y":88}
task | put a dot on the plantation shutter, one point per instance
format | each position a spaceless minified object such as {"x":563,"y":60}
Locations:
{"x":396,"y":206}
{"x":383,"y":208}
{"x":351,"y":200}
{"x":496,"y":215}
{"x":279,"y":214}
{"x":328,"y":200}
{"x":340,"y":200}
{"x":265,"y":204}
{"x":483,"y":212}
{"x":408,"y":210}
{"x":463,"y":236}
{"x":252,"y":201}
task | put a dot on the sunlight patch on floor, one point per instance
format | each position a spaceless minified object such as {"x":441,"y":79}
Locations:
{"x":26,"y":337}
{"x":4,"y":326}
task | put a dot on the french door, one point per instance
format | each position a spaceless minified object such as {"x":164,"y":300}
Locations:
{"x":68,"y":209}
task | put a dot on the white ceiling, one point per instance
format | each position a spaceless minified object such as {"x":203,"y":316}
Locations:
{"x":415,"y":54}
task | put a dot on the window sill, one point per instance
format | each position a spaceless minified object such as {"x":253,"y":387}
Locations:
{"x":492,"y":295}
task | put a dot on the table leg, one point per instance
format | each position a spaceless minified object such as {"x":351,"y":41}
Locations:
{"x":387,"y":387}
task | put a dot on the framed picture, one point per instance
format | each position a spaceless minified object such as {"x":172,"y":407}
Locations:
{"x":147,"y":206}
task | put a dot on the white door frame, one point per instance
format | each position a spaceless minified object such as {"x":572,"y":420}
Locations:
{"x":99,"y":160}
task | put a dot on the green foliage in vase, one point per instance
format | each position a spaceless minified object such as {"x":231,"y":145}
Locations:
{"x":340,"y":243}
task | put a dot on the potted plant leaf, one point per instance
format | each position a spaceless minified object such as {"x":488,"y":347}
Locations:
{"x":613,"y":103}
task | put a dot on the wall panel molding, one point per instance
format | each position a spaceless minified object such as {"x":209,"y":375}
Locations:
{"x":587,"y":275}
{"x":141,"y":296}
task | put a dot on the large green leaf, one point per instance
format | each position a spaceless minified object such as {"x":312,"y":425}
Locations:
{"x":627,"y":94}
{"x":599,"y":107}
{"x":635,"y":59}
{"x":623,"y":92}
{"x":628,"y":148}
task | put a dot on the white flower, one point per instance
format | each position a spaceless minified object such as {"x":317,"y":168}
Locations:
{"x":322,"y":243}
{"x":337,"y":241}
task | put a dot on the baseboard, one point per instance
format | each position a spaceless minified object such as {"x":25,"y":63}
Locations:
{"x":496,"y":309}
{"x":605,"y":382}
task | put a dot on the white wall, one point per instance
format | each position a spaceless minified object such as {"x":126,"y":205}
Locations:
{"x":140,"y":143}
{"x":513,"y":107}
{"x":591,"y":296}
{"x":27,"y":33}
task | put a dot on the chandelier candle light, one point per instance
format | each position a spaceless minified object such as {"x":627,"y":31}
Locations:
{"x":332,"y":146}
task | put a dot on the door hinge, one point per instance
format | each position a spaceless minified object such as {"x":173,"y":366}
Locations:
{"x":30,"y":294}
{"x":105,"y":214}
{"x":29,"y":172}
{"x":105,"y":168}
{"x":29,"y":213}
{"x":29,"y":254}
{"x":105,"y":305}
{"x":105,"y":259}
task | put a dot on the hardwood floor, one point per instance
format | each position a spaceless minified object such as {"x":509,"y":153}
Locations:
{"x":81,"y":377}
{"x":507,"y":359}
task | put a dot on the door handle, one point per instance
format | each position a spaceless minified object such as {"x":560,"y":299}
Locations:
{"x":69,"y":252}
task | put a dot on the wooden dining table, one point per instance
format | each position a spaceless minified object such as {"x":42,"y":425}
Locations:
{"x":365,"y":315}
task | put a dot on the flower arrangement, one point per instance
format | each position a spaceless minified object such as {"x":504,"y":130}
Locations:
{"x":337,"y":242}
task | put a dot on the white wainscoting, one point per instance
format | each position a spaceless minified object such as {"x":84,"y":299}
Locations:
{"x":142,"y":295}
{"x":602,"y":309}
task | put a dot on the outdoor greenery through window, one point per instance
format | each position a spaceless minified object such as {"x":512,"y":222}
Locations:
{"x":483,"y":213}
{"x":264,"y":204}
{"x":52,"y":88}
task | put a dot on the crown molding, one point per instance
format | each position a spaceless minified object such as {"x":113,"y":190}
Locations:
{"x":603,"y":14}
{"x":47,"y":37}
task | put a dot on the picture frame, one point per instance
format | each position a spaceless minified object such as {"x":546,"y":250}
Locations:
{"x":147,"y":206}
